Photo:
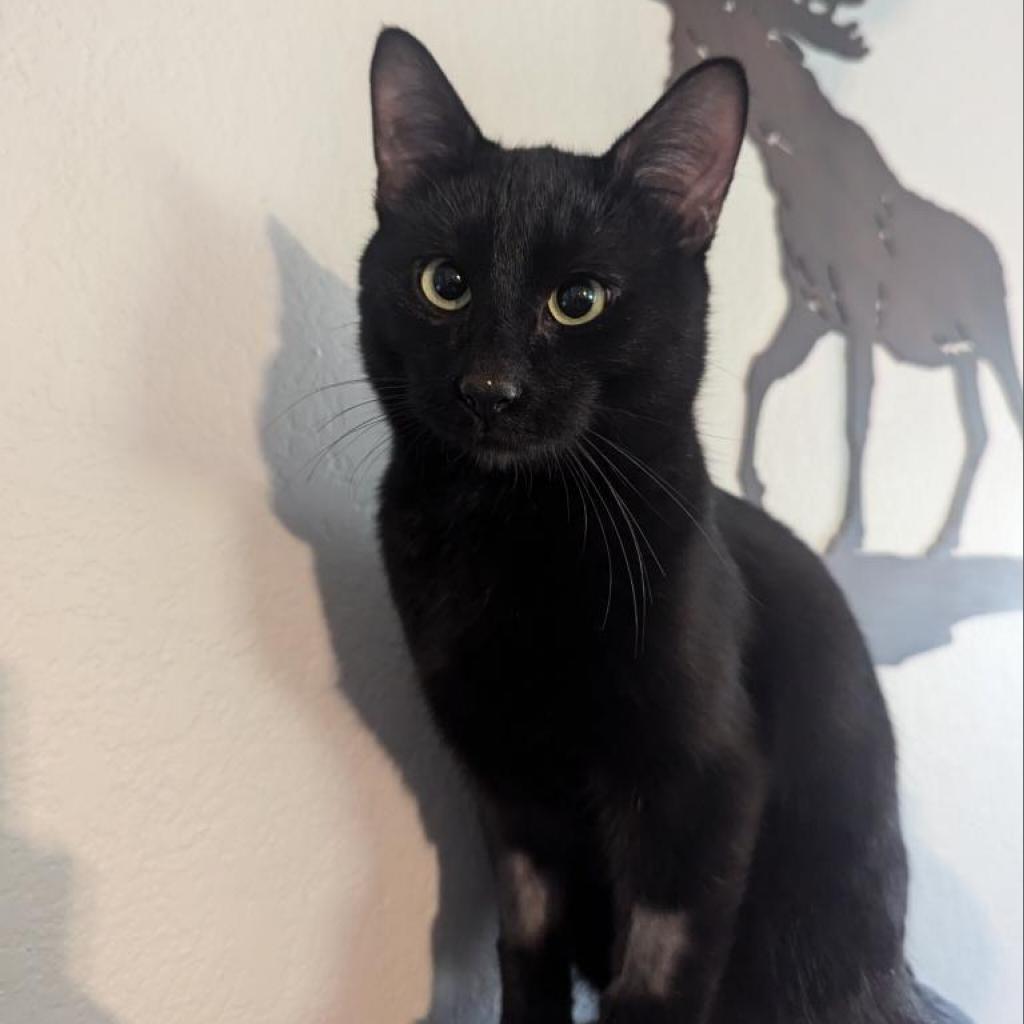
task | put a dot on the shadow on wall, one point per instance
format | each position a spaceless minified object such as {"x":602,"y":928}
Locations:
{"x":35,"y":908}
{"x":310,"y":448}
{"x":866,"y":258}
{"x":193,"y":418}
{"x":923,"y":597}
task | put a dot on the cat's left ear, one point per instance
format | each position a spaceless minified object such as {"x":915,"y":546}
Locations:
{"x":684,"y":149}
{"x":420,"y":125}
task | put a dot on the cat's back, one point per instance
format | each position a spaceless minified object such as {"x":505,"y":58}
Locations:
{"x":795,"y":601}
{"x":806,"y":664}
{"x":829,"y":869}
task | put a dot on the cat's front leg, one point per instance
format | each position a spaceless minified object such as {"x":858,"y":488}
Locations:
{"x":680,"y":857}
{"x":533,"y":942}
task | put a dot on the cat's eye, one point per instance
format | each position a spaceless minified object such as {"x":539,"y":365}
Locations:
{"x":444,"y":285}
{"x":578,"y":301}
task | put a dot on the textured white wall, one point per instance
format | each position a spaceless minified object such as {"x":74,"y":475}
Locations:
{"x":194,"y":826}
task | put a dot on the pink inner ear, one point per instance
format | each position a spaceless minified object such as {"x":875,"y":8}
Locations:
{"x":400,"y":142}
{"x":685,"y":148}
{"x":418,"y":119}
{"x":701,"y":205}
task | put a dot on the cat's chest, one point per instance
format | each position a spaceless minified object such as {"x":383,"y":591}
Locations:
{"x":467,"y":581}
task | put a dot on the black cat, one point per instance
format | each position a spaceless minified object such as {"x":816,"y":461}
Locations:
{"x":682,"y":757}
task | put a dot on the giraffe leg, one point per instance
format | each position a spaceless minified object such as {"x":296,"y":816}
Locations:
{"x":790,"y":346}
{"x":976,"y":436}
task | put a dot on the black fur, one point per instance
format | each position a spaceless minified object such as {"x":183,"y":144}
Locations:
{"x":661,"y":698}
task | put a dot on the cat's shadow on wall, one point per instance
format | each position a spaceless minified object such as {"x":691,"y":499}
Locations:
{"x":328,"y":503}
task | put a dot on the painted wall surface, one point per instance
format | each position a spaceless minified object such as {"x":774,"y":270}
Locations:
{"x":200,"y":822}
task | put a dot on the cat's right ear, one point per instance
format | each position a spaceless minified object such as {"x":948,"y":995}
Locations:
{"x":420,"y":126}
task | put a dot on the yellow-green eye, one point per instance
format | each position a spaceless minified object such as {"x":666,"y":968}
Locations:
{"x":578,"y":301}
{"x":444,"y":285}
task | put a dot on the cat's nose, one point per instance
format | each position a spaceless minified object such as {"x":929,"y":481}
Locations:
{"x":487,"y":396}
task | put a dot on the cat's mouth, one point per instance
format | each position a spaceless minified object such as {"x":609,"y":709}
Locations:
{"x":495,"y":447}
{"x":496,"y":452}
{"x":520,"y":438}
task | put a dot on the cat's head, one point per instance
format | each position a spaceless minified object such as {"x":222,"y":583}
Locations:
{"x":512,"y":299}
